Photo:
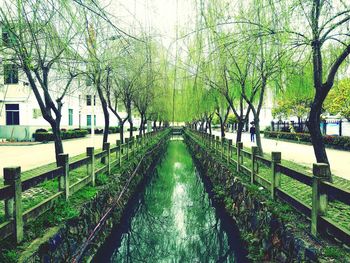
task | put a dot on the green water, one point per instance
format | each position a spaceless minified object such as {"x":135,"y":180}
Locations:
{"x":174,"y":220}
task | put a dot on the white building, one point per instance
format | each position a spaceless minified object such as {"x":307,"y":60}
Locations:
{"x":20,"y":114}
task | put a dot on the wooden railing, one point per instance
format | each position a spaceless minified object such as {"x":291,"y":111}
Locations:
{"x":322,"y":191}
{"x":11,"y":192}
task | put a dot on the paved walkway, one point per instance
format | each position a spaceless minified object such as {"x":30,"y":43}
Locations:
{"x":301,"y":153}
{"x":32,"y":156}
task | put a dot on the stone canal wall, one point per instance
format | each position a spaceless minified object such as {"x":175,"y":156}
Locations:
{"x":79,"y":239}
{"x":270,"y":230}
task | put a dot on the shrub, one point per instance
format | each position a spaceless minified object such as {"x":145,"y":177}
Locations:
{"x":133,"y":128}
{"x":114,"y":129}
{"x":48,"y":136}
{"x":97,"y":131}
{"x":41,"y":130}
{"x":340,"y":142}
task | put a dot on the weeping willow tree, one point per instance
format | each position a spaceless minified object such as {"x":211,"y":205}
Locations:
{"x":294,"y":98}
{"x":40,"y":39}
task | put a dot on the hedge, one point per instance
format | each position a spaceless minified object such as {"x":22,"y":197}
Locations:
{"x":97,"y":131}
{"x":48,"y":136}
{"x":338,"y":142}
{"x":133,"y":128}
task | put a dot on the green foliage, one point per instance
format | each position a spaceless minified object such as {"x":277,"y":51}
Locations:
{"x":333,"y":252}
{"x":133,"y":128}
{"x":291,"y":107}
{"x":48,"y":136}
{"x":114,"y":129}
{"x":9,"y":256}
{"x":215,"y":120}
{"x":232,"y":119}
{"x":101,"y":179}
{"x":338,"y":100}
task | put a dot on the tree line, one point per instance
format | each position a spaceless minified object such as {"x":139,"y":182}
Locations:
{"x":62,"y":47}
{"x":298,"y":51}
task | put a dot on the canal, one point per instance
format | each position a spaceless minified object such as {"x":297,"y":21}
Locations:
{"x":173,"y":220}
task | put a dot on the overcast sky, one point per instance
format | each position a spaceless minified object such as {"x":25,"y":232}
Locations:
{"x":161,"y":16}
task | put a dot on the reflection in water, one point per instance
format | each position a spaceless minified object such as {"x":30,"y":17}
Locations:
{"x":174,"y":221}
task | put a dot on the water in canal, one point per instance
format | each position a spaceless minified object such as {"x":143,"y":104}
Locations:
{"x":173,"y":220}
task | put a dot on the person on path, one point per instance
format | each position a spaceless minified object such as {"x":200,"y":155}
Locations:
{"x":252,"y":133}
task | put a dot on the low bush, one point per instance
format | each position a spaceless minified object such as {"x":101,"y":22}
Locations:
{"x":41,"y":130}
{"x":97,"y":131}
{"x":339,"y":142}
{"x":114,"y":129}
{"x":48,"y":136}
{"x":133,"y":128}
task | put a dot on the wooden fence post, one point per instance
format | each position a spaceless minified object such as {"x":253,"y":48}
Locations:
{"x":127,"y":148}
{"x":229,"y":148}
{"x":107,"y":147}
{"x":275,"y":176}
{"x":319,"y":199}
{"x":8,"y":180}
{"x":63,"y":160}
{"x":255,"y":150}
{"x":117,"y":152}
{"x":120,"y":153}
{"x":90,"y":152}
{"x":12,"y":177}
{"x":239,"y":155}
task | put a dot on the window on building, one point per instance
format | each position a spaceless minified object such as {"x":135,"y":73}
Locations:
{"x":10,"y":74}
{"x":8,"y":38}
{"x":89,"y":100}
{"x":88,"y":120}
{"x":12,"y":114}
{"x":5,"y":37}
{"x":70,"y":117}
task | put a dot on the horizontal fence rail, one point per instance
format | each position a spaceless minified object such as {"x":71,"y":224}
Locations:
{"x":323,"y":192}
{"x":11,"y":193}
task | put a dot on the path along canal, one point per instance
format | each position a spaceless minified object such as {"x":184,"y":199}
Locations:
{"x":173,"y":220}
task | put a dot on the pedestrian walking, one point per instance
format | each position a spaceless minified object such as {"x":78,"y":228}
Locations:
{"x":252,"y":133}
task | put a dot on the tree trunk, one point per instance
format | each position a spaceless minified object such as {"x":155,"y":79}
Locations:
{"x":316,"y":136}
{"x":210,"y":131}
{"x":106,"y":127}
{"x":239,"y":131}
{"x":131,"y":127}
{"x":258,"y":134}
{"x":121,"y":125}
{"x":105,"y":113}
{"x":58,"y":139}
{"x":144,"y":125}
{"x":222,"y":128}
{"x":154,"y":125}
{"x":141,"y":125}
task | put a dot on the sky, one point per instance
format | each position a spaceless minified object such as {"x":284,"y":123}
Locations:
{"x":162,"y":16}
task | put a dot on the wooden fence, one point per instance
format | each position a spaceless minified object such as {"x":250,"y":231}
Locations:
{"x":13,"y":188}
{"x":322,"y":191}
